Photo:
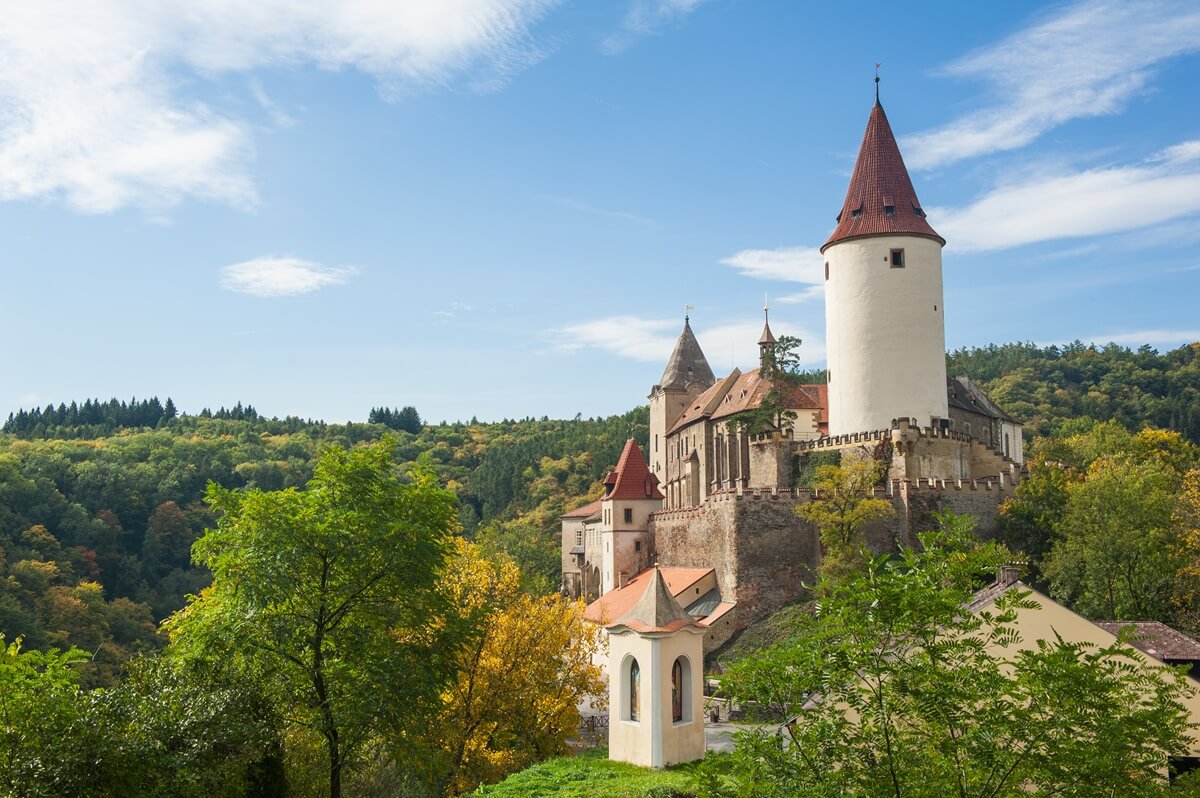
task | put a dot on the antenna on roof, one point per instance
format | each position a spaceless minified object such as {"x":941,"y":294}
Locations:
{"x":877,"y":66}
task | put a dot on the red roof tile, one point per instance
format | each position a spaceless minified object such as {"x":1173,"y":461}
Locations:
{"x":738,"y":392}
{"x":1157,"y":639}
{"x":616,"y":603}
{"x":881,"y":199}
{"x":589,"y":509}
{"x":633,"y":479}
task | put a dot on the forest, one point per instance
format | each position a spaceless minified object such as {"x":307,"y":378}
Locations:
{"x":102,"y":503}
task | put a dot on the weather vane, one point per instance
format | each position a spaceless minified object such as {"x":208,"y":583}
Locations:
{"x":877,"y":66}
{"x":687,"y":309}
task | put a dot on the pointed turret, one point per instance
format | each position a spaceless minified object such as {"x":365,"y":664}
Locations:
{"x":687,"y":363}
{"x":656,"y":611}
{"x":881,"y":199}
{"x":631,"y":479}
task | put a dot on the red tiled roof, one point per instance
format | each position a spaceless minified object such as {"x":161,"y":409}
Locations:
{"x":880,"y":182}
{"x":1156,"y":639}
{"x":738,"y":392}
{"x":633,"y":479}
{"x":615,"y":603}
{"x":589,"y":509}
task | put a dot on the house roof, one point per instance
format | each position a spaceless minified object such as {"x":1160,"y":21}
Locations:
{"x":1157,"y":639}
{"x":587,"y":510}
{"x":616,"y":603}
{"x":881,"y":199}
{"x":687,"y":363}
{"x":656,"y":610}
{"x":631,"y":479}
{"x":745,"y":390}
{"x":961,"y":392}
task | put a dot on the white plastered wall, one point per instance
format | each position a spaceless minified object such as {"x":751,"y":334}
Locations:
{"x":885,"y":333}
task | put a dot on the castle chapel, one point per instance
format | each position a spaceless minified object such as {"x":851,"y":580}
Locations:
{"x":713,"y":505}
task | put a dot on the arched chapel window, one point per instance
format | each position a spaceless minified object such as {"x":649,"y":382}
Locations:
{"x":635,"y":691}
{"x":677,"y":690}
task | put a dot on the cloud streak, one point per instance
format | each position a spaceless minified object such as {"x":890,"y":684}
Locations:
{"x":651,"y":340}
{"x":282,"y":276}
{"x":1086,"y":61}
{"x":646,"y":18}
{"x":1087,"y":203}
{"x":785,"y":264}
{"x":94,"y":110}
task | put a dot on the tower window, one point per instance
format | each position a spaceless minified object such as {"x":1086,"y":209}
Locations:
{"x":628,"y":515}
{"x":897,"y":259}
{"x":826,"y":270}
{"x":637,"y":545}
{"x":889,"y":210}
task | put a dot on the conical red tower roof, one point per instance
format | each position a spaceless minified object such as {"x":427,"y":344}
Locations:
{"x":631,"y":479}
{"x":880,"y":200}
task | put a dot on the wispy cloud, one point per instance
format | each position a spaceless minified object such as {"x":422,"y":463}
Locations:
{"x":453,"y":311}
{"x":1085,"y":203}
{"x":93,"y":110}
{"x":279,"y":117}
{"x":1086,"y":61}
{"x":651,"y":340}
{"x":787,"y":264}
{"x":645,"y":18}
{"x":281,"y":276}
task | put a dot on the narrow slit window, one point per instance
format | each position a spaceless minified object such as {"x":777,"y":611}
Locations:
{"x":826,"y":270}
{"x":897,"y":259}
{"x":628,"y":515}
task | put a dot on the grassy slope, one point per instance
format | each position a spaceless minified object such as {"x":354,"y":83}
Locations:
{"x":593,"y":775}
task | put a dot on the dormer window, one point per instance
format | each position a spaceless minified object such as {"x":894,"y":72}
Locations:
{"x":889,"y":210}
{"x":857,"y":212}
{"x":918,"y":210}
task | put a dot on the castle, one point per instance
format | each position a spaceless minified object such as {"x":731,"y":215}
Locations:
{"x":713,"y":502}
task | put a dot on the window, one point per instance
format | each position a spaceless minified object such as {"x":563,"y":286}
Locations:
{"x":656,"y":443}
{"x":635,"y":691}
{"x":897,"y":259}
{"x":681,"y":690}
{"x":579,"y":537}
{"x":637,"y":545}
{"x":889,"y":210}
{"x":628,"y":516}
{"x":826,"y":270}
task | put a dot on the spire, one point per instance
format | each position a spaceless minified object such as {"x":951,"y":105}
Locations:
{"x":766,"y":339}
{"x":657,"y":610}
{"x":881,"y":199}
{"x":687,"y":363}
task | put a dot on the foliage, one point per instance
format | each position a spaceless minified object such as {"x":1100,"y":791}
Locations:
{"x":781,"y":368}
{"x":108,"y":506}
{"x":405,"y":419}
{"x":1048,"y":387}
{"x":1186,"y":595}
{"x":892,"y":689}
{"x":842,"y":508}
{"x":1102,"y":515}
{"x":324,"y":596}
{"x":520,"y":680}
{"x":594,"y":775}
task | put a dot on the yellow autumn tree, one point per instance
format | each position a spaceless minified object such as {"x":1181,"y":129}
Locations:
{"x":520,"y":680}
{"x":1187,"y":541}
{"x":843,"y":507}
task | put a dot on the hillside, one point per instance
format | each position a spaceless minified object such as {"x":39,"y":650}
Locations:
{"x":97,"y":518}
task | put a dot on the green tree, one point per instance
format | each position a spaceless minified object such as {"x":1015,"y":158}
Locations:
{"x":892,"y":688}
{"x":843,"y":507}
{"x":325,"y":596}
{"x":781,"y":369}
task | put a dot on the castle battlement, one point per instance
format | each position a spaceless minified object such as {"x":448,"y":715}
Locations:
{"x":842,"y":441}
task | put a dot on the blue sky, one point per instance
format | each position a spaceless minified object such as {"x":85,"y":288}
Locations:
{"x":500,"y":208}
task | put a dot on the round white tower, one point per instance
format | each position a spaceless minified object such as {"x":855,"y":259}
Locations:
{"x":884,"y":317}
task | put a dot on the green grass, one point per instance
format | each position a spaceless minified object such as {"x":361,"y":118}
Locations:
{"x":594,"y":775}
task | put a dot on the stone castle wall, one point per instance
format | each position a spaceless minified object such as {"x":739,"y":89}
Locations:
{"x":763,"y":553}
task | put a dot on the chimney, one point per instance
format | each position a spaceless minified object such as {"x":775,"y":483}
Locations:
{"x":621,"y":579}
{"x":1008,"y":574}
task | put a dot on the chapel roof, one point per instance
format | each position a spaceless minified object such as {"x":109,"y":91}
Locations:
{"x":881,"y":199}
{"x":631,"y":479}
{"x":687,"y":363}
{"x":617,"y":603}
{"x":656,"y":610}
